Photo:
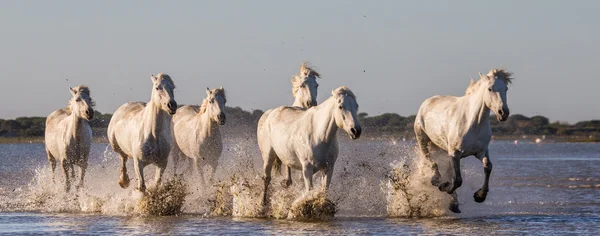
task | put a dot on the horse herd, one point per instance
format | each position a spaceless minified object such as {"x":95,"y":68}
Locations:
{"x":301,"y":136}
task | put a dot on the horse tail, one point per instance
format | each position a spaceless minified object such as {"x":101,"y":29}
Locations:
{"x":277,"y":166}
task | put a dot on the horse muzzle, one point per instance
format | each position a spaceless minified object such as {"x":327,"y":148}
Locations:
{"x":172,"y":108}
{"x":89,"y":115}
{"x":221,"y":117}
{"x":355,"y":133}
{"x":502,"y":115}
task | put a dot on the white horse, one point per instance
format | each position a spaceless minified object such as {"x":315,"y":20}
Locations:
{"x":461,"y":127}
{"x":143,"y":131}
{"x":196,"y":132}
{"x":304,"y":90}
{"x":68,"y":135}
{"x":302,"y":139}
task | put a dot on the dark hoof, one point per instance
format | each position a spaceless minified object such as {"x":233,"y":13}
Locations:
{"x":446,"y":187}
{"x":286,"y":183}
{"x":124,"y":181}
{"x":480,"y":195}
{"x":454,"y":208}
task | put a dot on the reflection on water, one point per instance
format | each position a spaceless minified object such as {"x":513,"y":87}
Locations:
{"x":541,"y":189}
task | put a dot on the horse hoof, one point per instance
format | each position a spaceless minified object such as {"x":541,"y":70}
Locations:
{"x":454,"y":208}
{"x":446,"y":187}
{"x":480,"y":195}
{"x":124,"y":183}
{"x":286,"y":183}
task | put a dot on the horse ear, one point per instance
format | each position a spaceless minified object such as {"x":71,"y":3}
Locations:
{"x":208,"y":91}
{"x":73,"y":92}
{"x":153,"y":78}
{"x":222,"y":87}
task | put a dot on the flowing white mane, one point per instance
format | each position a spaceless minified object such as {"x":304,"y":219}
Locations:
{"x":494,"y":73}
{"x":305,"y":72}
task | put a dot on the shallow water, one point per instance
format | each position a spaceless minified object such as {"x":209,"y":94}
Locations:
{"x":549,"y":188}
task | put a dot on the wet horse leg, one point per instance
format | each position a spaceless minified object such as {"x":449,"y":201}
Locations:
{"x":481,"y":194}
{"x":454,"y":206}
{"x":139,"y":171}
{"x":200,"y":171}
{"x":423,"y":140}
{"x":65,"y":166}
{"x":124,"y":178}
{"x":269,"y":157}
{"x":307,"y":172}
{"x":83,"y":167}
{"x":288,"y":178}
{"x":450,"y":188}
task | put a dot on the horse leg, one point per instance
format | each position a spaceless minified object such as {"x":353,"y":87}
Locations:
{"x":176,"y":157}
{"x":450,"y":188}
{"x":454,"y":203}
{"x":124,"y":178}
{"x":307,"y":171}
{"x":72,"y":167}
{"x":139,"y":171}
{"x":83,"y":167}
{"x":268,"y":160}
{"x":52,"y":161}
{"x":481,"y":194}
{"x":423,"y":140}
{"x":200,"y":171}
{"x":160,"y":170}
{"x":288,"y":179}
{"x":326,"y":181}
{"x":65,"y":167}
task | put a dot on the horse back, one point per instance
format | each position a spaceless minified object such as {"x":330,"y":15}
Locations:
{"x":124,"y":123}
{"x":55,"y":128}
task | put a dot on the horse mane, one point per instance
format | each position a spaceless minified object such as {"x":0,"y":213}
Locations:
{"x":81,"y":89}
{"x":343,"y":91}
{"x":494,"y":73}
{"x":502,"y":74}
{"x":217,"y":91}
{"x":305,"y":71}
{"x":167,"y":78}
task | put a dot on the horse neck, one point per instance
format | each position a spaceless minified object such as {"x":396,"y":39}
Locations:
{"x":205,"y":125}
{"x":323,"y":121}
{"x":155,"y":120}
{"x":477,"y":113}
{"x":298,"y":102}
{"x":74,"y":126}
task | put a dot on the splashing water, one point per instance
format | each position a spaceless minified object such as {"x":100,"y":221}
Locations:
{"x":410,"y":193}
{"x":165,"y":199}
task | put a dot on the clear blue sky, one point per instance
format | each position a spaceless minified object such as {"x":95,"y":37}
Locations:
{"x":392,"y":54}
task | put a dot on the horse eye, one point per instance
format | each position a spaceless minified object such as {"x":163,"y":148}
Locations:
{"x":211,"y":102}
{"x":340,"y":107}
{"x":490,"y":89}
{"x":302,"y":86}
{"x":157,"y":88}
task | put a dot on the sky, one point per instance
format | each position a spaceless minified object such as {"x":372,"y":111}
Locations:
{"x":391,"y":54}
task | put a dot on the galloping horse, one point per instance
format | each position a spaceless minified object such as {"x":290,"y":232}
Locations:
{"x":68,"y":135}
{"x":143,"y":131}
{"x":196,"y":132}
{"x":461,"y":127}
{"x":303,"y":138}
{"x":304,"y":90}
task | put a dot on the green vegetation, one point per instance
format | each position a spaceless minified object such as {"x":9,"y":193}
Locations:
{"x":241,"y":123}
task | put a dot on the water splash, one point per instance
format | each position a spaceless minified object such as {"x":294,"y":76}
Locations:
{"x":410,"y":193}
{"x":165,"y":199}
